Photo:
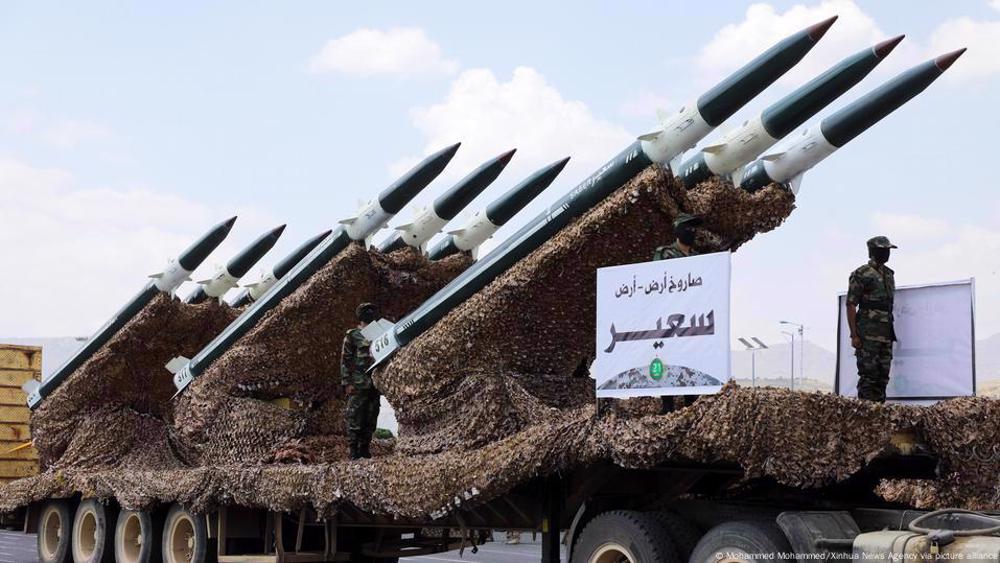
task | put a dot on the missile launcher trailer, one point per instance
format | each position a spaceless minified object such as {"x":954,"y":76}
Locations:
{"x":509,"y":437}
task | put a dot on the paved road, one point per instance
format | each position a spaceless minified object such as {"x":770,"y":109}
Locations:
{"x":16,"y":547}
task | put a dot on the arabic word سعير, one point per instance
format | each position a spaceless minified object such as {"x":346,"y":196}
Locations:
{"x":699,"y":325}
{"x":667,"y":284}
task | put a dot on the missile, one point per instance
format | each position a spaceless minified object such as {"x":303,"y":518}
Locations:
{"x":745,"y":143}
{"x":253,"y":291}
{"x":430,"y":220}
{"x":173,"y":275}
{"x":679,"y":132}
{"x":227,"y":276}
{"x":818,"y":142}
{"x":485,"y":222}
{"x":358,"y":229}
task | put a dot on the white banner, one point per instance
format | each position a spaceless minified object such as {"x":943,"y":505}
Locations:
{"x":934,"y":357}
{"x":663,"y":327}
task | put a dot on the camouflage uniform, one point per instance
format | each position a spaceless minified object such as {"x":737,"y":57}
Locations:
{"x":668,"y":252}
{"x":363,"y":404}
{"x":872,"y":288}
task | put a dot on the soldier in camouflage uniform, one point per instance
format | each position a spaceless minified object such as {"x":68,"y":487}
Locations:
{"x":869,"y":315}
{"x":362,"y":396}
{"x":684,"y":233}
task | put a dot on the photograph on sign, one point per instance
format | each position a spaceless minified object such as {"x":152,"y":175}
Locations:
{"x":934,"y":355}
{"x":663,"y":327}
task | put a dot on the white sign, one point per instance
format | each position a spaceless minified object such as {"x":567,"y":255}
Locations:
{"x":934,"y":357}
{"x":663,"y":327}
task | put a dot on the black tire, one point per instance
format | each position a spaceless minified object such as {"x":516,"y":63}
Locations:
{"x":185,"y":537}
{"x":682,"y":532}
{"x":138,"y":537}
{"x":93,"y":540}
{"x":744,"y":541}
{"x":55,"y":529}
{"x":621,"y":535}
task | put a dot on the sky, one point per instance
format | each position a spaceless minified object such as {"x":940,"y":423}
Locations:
{"x":127,"y":129}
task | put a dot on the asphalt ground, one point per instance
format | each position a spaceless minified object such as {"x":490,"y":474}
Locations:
{"x":16,"y":547}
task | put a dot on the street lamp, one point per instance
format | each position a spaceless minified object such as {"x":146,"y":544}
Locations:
{"x":791,"y":372}
{"x":802,"y":347}
{"x":753,"y":347}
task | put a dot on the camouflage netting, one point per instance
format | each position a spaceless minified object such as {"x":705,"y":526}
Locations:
{"x":125,"y":375}
{"x":226,"y":416}
{"x":497,"y":394}
{"x":521,"y":346}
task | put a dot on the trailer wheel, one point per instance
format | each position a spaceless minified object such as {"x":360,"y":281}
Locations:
{"x":742,"y":542}
{"x":54,"y":531}
{"x":185,"y":537}
{"x":137,"y":537}
{"x":623,"y":536}
{"x":683,"y":533}
{"x":92,"y":538}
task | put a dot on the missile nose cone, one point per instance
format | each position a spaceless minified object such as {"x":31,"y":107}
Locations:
{"x":945,"y":61}
{"x":560,"y":164}
{"x":228,"y":223}
{"x":884,"y":48}
{"x":505,"y":157}
{"x":276,"y":232}
{"x":450,"y":151}
{"x":817,"y":31}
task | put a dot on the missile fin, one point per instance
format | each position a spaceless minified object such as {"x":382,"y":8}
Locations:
{"x":649,"y":136}
{"x":773,"y":156}
{"x":456,"y":232}
{"x":177,"y":364}
{"x":675,"y":162}
{"x":156,"y":276}
{"x":405,"y":227}
{"x":718,"y":147}
{"x":736,"y":176}
{"x":795,"y":183}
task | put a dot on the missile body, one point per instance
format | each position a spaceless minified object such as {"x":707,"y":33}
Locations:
{"x":430,"y":220}
{"x":227,"y":276}
{"x":485,"y":222}
{"x":679,"y":132}
{"x":835,"y":131}
{"x":253,"y":291}
{"x":745,"y":143}
{"x":372,"y":217}
{"x":176,"y":272}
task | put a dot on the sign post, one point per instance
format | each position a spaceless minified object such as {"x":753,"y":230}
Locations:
{"x":663,"y":327}
{"x":934,"y":357}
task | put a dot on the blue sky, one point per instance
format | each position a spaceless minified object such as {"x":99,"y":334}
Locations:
{"x":127,"y":129}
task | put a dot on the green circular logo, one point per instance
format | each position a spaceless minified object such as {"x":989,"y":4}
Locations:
{"x":656,"y":369}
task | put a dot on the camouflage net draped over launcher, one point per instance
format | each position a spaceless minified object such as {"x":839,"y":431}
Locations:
{"x":488,"y":400}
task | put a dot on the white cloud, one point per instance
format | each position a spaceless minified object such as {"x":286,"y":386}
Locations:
{"x":76,"y":254}
{"x":983,"y":57}
{"x":902,"y":228}
{"x":995,"y":4}
{"x":763,"y":25}
{"x":527,"y":113}
{"x":71,"y":133}
{"x":400,"y":51}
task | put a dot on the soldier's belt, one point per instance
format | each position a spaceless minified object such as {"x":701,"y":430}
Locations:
{"x":884,"y":306}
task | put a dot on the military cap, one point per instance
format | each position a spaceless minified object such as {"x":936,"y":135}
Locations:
{"x":687,"y":219}
{"x":880,"y":242}
{"x":366,"y":309}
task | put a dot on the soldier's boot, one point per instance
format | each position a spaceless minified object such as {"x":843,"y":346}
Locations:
{"x":364,"y":450}
{"x":355,"y":453}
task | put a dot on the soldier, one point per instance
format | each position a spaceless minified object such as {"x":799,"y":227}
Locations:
{"x":684,"y":233}
{"x":870,"y":295}
{"x":683,"y":245}
{"x":362,"y":396}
